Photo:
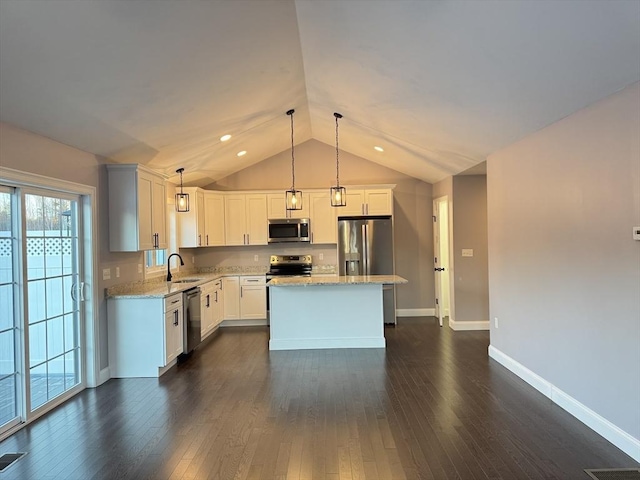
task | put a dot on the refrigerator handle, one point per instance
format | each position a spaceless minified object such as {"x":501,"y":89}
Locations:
{"x":365,"y":250}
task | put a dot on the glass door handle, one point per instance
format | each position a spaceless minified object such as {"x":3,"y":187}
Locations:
{"x":82,"y":299}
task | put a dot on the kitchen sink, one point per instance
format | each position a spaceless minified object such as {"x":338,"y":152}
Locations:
{"x":186,"y":280}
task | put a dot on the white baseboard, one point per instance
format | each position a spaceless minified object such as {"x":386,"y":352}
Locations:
{"x":103,"y":376}
{"x":415,"y":312}
{"x":481,"y":325}
{"x":322,"y":343}
{"x":621,"y":439}
{"x":244,"y":323}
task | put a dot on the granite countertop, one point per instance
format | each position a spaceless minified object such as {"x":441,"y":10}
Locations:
{"x":337,"y":280}
{"x":159,"y":288}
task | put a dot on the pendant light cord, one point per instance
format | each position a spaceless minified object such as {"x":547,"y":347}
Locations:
{"x":293,"y":162}
{"x":337,"y":115}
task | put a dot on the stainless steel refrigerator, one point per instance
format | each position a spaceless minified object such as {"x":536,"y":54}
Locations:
{"x":365,"y":247}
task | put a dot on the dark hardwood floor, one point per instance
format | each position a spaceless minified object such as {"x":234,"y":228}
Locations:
{"x":432,"y":406}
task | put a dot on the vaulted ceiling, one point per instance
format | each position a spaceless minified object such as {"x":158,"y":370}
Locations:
{"x":437,"y":84}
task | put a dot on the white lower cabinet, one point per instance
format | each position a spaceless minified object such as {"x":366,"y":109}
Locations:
{"x":231,"y":300}
{"x":253,"y":298}
{"x":206,"y":308}
{"x":145,"y":335}
{"x":210,"y":307}
{"x":245,"y":298}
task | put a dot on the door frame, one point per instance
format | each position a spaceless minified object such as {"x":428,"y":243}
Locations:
{"x":87,"y":211}
{"x":440,"y":254}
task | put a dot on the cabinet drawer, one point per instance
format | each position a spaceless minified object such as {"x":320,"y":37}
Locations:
{"x":173,"y":302}
{"x":253,"y":280}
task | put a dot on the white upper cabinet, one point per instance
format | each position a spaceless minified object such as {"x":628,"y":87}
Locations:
{"x":137,"y":209}
{"x":367,"y":202}
{"x":213,"y":219}
{"x":323,"y":218}
{"x":245,"y":219}
{"x":203,"y":224}
{"x":276,"y":207}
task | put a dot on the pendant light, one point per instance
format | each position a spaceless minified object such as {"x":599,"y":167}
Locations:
{"x":182,"y":199}
{"x":293,"y":197}
{"x":338,"y":193}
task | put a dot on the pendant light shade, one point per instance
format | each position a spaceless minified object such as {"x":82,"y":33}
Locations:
{"x":293,"y":197}
{"x":182,"y":199}
{"x":338,"y":193}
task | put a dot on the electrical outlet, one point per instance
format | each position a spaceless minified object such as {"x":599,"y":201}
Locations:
{"x":139,"y":268}
{"x":255,"y":258}
{"x":106,"y":274}
{"x":495,"y":322}
{"x":321,"y":256}
{"x":467,"y":252}
{"x":117,"y":272}
{"x":193,"y":259}
{"x":636,"y":233}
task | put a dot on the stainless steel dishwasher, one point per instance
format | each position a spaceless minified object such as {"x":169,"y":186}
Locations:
{"x":191,"y":305}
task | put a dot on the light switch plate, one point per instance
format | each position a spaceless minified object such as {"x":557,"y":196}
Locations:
{"x":106,"y":274}
{"x":467,"y":252}
{"x":636,"y":233}
{"x":255,"y":258}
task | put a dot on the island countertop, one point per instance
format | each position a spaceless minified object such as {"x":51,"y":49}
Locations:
{"x":337,"y":280}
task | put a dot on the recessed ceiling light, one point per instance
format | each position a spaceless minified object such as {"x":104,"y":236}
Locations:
{"x":224,"y":138}
{"x":242,"y":153}
{"x":379,"y":149}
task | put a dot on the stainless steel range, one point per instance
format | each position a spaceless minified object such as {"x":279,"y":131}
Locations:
{"x":289,"y":266}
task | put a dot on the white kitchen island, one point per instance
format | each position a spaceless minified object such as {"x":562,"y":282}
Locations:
{"x":328,"y":312}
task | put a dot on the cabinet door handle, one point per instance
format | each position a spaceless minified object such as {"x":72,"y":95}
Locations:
{"x":240,"y":292}
{"x":216,"y":297}
{"x":175,"y":318}
{"x":207,"y":239}
{"x":207,"y":301}
{"x":175,"y":301}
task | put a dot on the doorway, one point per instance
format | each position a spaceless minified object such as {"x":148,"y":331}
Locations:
{"x":442,"y":263}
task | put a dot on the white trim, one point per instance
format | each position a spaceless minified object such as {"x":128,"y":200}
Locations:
{"x":459,"y":326}
{"x":22,"y":179}
{"x":621,"y":439}
{"x":103,"y":376}
{"x":244,"y":323}
{"x":415,"y":312}
{"x":323,"y":343}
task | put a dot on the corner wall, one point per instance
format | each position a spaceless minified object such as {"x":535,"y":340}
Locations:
{"x":564,"y":270}
{"x":470,"y":233}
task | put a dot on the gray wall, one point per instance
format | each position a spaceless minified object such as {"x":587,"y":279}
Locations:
{"x":564,"y":270}
{"x":315,"y":168}
{"x":470,"y":232}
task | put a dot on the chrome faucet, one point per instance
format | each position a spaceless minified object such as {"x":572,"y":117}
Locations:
{"x":169,"y":264}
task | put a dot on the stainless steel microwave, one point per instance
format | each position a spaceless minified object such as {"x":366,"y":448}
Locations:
{"x":289,"y":230}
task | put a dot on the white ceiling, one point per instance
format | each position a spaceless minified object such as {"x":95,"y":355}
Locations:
{"x":439,"y":84}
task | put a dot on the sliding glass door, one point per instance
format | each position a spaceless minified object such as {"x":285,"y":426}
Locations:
{"x":53,"y":292}
{"x":41,"y":291}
